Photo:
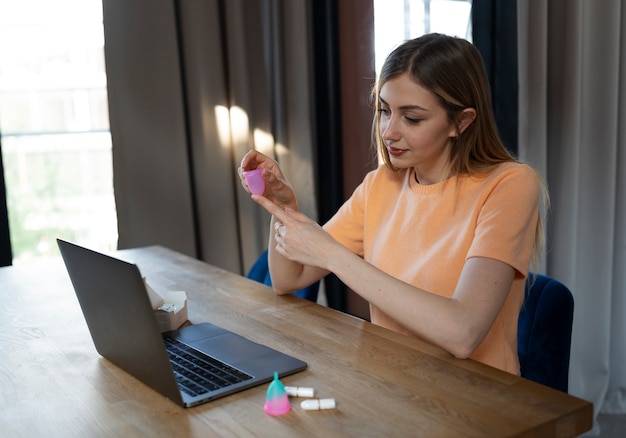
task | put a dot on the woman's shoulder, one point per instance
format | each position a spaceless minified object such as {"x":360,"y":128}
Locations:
{"x":513,"y":169}
{"x":516,"y":166}
{"x":514,"y":178}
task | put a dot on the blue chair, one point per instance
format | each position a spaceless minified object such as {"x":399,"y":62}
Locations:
{"x":545,"y":331}
{"x":260,"y":272}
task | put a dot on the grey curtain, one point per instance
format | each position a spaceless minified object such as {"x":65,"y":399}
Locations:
{"x":192,"y":87}
{"x":573,"y":128}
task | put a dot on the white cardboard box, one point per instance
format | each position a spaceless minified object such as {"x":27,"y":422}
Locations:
{"x":170,"y":308}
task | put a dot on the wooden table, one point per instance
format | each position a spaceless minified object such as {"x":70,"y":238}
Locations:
{"x":53,"y":383}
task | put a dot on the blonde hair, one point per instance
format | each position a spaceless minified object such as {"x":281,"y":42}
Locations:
{"x":453,"y":70}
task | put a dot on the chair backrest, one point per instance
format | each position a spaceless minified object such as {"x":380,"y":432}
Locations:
{"x":260,"y":272}
{"x":545,"y":331}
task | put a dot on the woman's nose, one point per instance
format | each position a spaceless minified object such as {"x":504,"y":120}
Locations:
{"x":388,"y":131}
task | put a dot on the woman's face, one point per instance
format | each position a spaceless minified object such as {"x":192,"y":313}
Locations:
{"x":415,"y":128}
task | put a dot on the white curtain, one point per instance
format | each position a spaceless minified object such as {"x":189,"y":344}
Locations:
{"x":572,"y":63}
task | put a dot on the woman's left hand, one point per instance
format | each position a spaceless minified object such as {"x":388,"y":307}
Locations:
{"x":298,"y":237}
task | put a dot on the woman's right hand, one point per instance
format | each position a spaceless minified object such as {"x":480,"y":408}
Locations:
{"x":277,"y":188}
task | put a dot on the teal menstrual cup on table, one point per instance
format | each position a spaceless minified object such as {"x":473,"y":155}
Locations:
{"x":277,"y":401}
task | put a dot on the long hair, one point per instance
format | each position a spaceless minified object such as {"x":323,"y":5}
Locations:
{"x":453,"y":69}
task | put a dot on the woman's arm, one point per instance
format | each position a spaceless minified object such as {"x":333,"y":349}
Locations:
{"x":457,"y":324}
{"x":288,"y":276}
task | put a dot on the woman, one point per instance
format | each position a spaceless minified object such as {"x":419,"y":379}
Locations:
{"x":438,"y":240}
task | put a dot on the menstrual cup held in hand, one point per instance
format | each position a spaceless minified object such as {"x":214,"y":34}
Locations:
{"x":277,"y":401}
{"x":254,"y":180}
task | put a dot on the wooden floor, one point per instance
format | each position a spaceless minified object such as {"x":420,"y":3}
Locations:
{"x":612,"y":426}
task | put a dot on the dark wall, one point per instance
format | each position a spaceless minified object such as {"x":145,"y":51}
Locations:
{"x":344,"y":52}
{"x":6,"y":257}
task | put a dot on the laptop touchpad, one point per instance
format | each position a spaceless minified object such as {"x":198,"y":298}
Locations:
{"x":230,"y":348}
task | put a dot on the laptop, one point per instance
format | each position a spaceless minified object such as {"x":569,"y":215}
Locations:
{"x":190,"y":366}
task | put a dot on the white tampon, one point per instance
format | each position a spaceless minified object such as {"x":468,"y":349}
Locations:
{"x":299,"y":391}
{"x":318,"y":404}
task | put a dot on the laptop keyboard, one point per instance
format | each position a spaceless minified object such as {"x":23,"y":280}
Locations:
{"x":198,"y":373}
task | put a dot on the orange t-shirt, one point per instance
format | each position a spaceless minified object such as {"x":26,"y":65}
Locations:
{"x":423,"y":234}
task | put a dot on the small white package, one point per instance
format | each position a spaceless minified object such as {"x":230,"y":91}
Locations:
{"x":170,"y":308}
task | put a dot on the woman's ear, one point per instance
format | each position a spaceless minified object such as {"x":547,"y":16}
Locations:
{"x":465,"y":118}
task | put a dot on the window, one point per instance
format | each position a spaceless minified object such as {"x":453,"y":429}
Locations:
{"x":54,"y":126}
{"x":399,"y":20}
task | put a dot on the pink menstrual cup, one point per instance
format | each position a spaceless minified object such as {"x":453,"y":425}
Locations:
{"x":255,"y":181}
{"x":277,"y":402}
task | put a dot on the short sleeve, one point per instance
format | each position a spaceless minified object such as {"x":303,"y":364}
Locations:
{"x":508,"y":219}
{"x":348,"y":224}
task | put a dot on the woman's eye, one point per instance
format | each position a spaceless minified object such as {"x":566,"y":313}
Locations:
{"x":412,"y":120}
{"x":384,"y":111}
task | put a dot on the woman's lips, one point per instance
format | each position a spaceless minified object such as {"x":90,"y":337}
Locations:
{"x":395,"y":151}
